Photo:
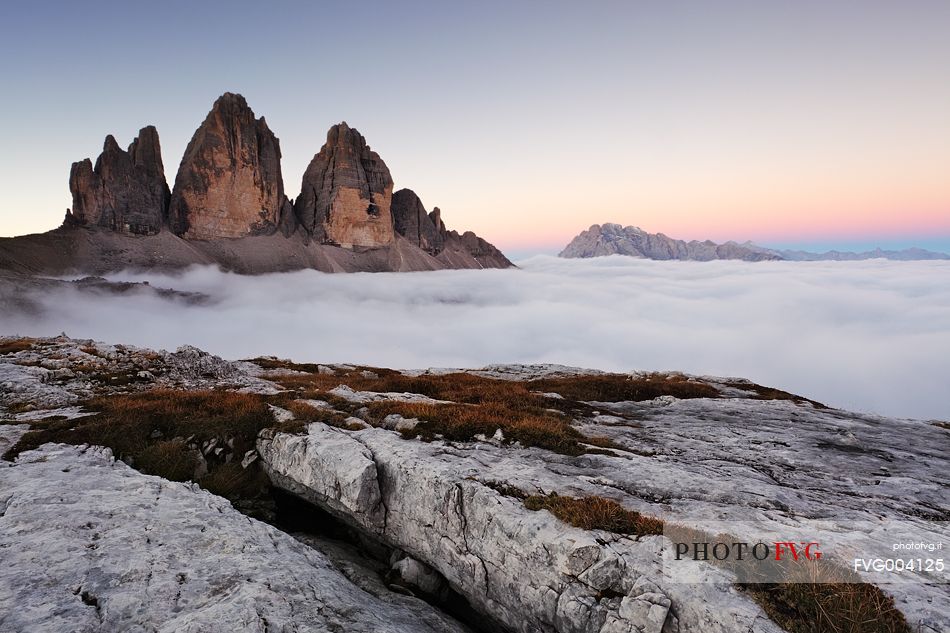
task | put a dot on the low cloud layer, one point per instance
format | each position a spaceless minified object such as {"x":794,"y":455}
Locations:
{"x":869,"y":336}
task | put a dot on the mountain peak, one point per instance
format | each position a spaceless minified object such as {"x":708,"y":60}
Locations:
{"x":229,"y":182}
{"x":125,"y":191}
{"x":613,"y":239}
{"x":110,"y":144}
{"x":230,"y":99}
{"x":346,"y":193}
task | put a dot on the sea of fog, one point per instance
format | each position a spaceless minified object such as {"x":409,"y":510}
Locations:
{"x":867,"y":336}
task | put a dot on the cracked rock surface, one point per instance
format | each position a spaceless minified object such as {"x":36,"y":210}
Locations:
{"x":89,"y":544}
{"x":713,"y":464}
{"x":60,"y":371}
{"x":443,"y":508}
{"x":526,"y":569}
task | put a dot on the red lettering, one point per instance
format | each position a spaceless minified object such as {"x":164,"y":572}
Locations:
{"x":779,"y":546}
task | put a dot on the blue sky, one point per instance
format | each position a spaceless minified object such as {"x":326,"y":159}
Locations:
{"x":784,"y":123}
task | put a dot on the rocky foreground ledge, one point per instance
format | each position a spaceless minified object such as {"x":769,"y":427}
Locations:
{"x":267,"y":495}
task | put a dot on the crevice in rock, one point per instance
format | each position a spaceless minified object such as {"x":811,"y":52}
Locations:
{"x":379,"y":483}
{"x":302,"y":519}
{"x":89,"y":600}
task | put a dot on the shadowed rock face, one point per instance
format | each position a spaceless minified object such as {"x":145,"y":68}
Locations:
{"x":412,"y":222}
{"x":229,"y":183}
{"x":469,"y":245}
{"x":346,"y":193}
{"x":427,"y":231}
{"x":126,"y":191}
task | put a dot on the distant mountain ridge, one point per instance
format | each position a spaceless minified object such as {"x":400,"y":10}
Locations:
{"x":613,"y":239}
{"x":907,"y":254}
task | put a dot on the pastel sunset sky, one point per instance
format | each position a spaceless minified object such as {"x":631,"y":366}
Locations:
{"x":813,"y":123}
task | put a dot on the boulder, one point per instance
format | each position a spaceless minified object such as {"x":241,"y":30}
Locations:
{"x":524,"y":571}
{"x":92,"y":545}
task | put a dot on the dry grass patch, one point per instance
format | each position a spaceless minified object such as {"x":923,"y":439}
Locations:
{"x":472,"y":389}
{"x":595,"y":513}
{"x":526,"y":424}
{"x":306,"y":413}
{"x":829,"y":607}
{"x":20,"y":407}
{"x":16,"y":345}
{"x":122,"y":378}
{"x":476,"y":406}
{"x":456,"y":387}
{"x":309,"y":413}
{"x":231,"y":481}
{"x":276,"y":363}
{"x":623,"y":388}
{"x":467,"y":388}
{"x":771,"y":393}
{"x":152,"y":431}
{"x":171,"y":459}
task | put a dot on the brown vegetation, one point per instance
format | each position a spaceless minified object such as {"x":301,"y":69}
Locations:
{"x":595,"y":513}
{"x":621,"y":387}
{"x":475,"y":405}
{"x":468,"y":388}
{"x":306,"y":413}
{"x":20,"y":407}
{"x":231,"y":481}
{"x":122,"y":378}
{"x":504,"y":488}
{"x":274,"y":363}
{"x":156,"y":431}
{"x":16,"y":345}
{"x":172,"y":460}
{"x":519,"y":421}
{"x":771,"y":393}
{"x":829,"y":607}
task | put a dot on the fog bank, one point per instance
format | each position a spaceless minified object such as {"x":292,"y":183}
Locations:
{"x":869,"y":336}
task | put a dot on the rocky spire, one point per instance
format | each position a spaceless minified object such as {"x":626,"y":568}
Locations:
{"x":346,"y":193}
{"x":412,"y":222}
{"x":229,"y":183}
{"x":126,"y":191}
